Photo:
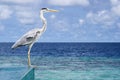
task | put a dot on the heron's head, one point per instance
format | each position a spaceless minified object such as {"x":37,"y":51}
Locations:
{"x":48,"y":10}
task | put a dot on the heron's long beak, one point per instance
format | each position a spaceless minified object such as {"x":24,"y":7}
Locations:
{"x":51,"y":10}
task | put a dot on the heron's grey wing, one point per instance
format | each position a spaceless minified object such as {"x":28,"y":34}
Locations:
{"x":29,"y":38}
{"x":26,"y":39}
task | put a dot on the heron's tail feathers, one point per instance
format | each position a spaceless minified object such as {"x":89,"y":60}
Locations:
{"x":15,"y":45}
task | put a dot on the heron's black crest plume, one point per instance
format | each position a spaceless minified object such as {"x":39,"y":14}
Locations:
{"x":43,"y":8}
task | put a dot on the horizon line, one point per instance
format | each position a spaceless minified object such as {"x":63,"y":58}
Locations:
{"x":68,"y":42}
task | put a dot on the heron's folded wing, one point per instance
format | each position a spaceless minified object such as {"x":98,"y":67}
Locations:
{"x":29,"y":38}
{"x":26,"y":39}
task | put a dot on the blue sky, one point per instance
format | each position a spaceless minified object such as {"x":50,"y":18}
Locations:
{"x":76,"y":21}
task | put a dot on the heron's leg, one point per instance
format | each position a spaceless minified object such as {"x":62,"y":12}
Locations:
{"x":29,"y":61}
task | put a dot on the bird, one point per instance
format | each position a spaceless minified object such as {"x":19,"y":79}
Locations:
{"x":32,"y":36}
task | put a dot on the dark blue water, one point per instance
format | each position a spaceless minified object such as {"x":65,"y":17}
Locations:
{"x":65,"y":49}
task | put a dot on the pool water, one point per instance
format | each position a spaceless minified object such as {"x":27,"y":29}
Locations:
{"x":64,"y":68}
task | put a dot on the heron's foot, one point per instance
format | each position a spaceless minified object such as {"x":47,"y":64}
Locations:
{"x":33,"y":66}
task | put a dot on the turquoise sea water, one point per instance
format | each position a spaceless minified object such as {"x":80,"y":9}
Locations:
{"x":68,"y":68}
{"x":56,"y":61}
{"x":79,"y":68}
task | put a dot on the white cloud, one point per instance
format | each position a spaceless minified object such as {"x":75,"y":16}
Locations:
{"x":69,"y":2}
{"x":26,"y":21}
{"x":105,"y":17}
{"x":53,"y":16}
{"x":18,"y":1}
{"x":25,"y":15}
{"x":116,"y":10}
{"x":5,"y":12}
{"x":115,"y":2}
{"x":101,"y":17}
{"x":115,"y":7}
{"x":81,"y":21}
{"x":61,"y":25}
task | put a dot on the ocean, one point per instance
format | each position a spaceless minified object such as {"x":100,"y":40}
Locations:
{"x":67,"y":61}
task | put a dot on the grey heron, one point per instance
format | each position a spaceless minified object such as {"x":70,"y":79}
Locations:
{"x":31,"y":36}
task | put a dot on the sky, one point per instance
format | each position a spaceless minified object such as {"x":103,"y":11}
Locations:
{"x":76,"y":21}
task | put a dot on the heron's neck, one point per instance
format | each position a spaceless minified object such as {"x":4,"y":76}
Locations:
{"x":43,"y":20}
